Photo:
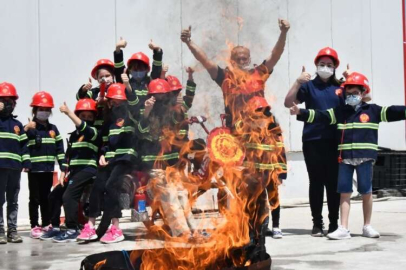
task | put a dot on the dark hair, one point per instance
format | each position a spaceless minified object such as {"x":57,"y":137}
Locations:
{"x":139,"y":63}
{"x":35,"y":110}
{"x":108,"y":68}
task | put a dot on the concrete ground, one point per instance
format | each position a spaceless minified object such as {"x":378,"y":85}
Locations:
{"x":297,"y":250}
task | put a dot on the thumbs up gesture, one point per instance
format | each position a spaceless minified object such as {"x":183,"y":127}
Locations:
{"x":186,"y":34}
{"x":304,"y":77}
{"x":64,"y":108}
{"x":121,"y":44}
{"x":347,"y":72}
{"x":294,"y":110}
{"x":87,"y":85}
{"x":153,"y":46}
{"x":31,"y":125}
{"x":126,"y":79}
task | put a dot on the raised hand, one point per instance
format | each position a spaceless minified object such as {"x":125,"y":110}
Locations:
{"x":153,"y":46}
{"x":284,"y":25}
{"x":87,"y":86}
{"x":347,"y":72}
{"x":149,"y":104}
{"x":186,"y":34}
{"x":164,"y":70}
{"x":102,"y":161}
{"x":64,"y":108}
{"x":190,"y":72}
{"x":31,"y":125}
{"x":304,"y":77}
{"x":121,"y":44}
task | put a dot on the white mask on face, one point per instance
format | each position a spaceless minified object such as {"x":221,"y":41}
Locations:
{"x":325,"y":72}
{"x":43,"y":116}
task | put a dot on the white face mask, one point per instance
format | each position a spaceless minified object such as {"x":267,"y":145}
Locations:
{"x":325,"y":72}
{"x":43,"y":116}
{"x":353,"y":100}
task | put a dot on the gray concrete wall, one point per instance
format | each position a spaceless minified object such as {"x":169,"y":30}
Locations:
{"x":52,"y":45}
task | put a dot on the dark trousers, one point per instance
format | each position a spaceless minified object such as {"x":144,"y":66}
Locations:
{"x":276,"y":215}
{"x":9,"y":189}
{"x":322,"y":167}
{"x":40,"y":185}
{"x":55,"y":204}
{"x":75,"y":187}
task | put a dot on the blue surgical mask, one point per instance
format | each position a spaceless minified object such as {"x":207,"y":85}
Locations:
{"x":353,"y":100}
{"x":138,"y":75}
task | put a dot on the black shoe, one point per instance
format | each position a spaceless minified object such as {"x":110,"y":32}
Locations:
{"x":268,"y":232}
{"x":3,"y":239}
{"x":317,"y":231}
{"x":332,"y":227}
{"x":13,"y":237}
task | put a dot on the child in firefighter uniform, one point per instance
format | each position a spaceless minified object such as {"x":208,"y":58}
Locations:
{"x":160,"y":148}
{"x":357,"y":130}
{"x":82,"y":162}
{"x":118,"y":159}
{"x":45,"y":145}
{"x":265,"y":162}
{"x":14,"y":157}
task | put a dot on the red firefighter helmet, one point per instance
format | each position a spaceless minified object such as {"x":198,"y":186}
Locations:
{"x":256,"y":103}
{"x":100,"y":64}
{"x":356,"y":78}
{"x":159,"y":86}
{"x":42,"y":99}
{"x":174,"y":83}
{"x":327,"y":51}
{"x":86,"y":104}
{"x":116,"y":91}
{"x":8,"y":90}
{"x":139,"y":56}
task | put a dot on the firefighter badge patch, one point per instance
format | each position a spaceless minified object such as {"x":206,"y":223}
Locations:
{"x":17,"y":130}
{"x":52,"y":134}
{"x":364,"y":118}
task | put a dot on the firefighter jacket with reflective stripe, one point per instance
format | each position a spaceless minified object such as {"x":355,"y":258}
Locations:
{"x":160,"y":146}
{"x":45,"y":145}
{"x":137,"y":97}
{"x":83,"y":149}
{"x":182,"y":126}
{"x":264,"y":147}
{"x":14,"y":152}
{"x":120,"y":137}
{"x":93,"y":93}
{"x":357,"y":129}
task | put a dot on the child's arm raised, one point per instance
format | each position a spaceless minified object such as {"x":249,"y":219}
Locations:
{"x":315,"y":116}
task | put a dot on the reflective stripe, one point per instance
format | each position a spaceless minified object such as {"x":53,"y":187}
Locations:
{"x":143,"y":130}
{"x":84,"y":126}
{"x":265,"y":147}
{"x":85,"y":145}
{"x":182,"y":132}
{"x":332,"y":116}
{"x":383,"y":114}
{"x":43,"y":140}
{"x":7,"y":135}
{"x":58,"y":138}
{"x":119,"y":65}
{"x":61,"y":156}
{"x":125,"y":151}
{"x":109,"y":154}
{"x":157,"y":63}
{"x":311,"y":116}
{"x":78,"y":162}
{"x":98,"y":122}
{"x":25,"y":157}
{"x":95,"y":134}
{"x":262,"y":166}
{"x":190,"y":88}
{"x":280,"y":144}
{"x":43,"y":159}
{"x":23,"y":137}
{"x":121,"y":130}
{"x":174,"y":120}
{"x":10,"y":156}
{"x":64,"y":164}
{"x":357,"y":146}
{"x":185,"y":105}
{"x":105,"y":138}
{"x":141,"y":92}
{"x":160,"y":157}
{"x":90,"y":94}
{"x":358,"y":125}
{"x":134,"y":102}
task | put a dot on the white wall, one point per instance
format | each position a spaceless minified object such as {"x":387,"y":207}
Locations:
{"x":52,"y":45}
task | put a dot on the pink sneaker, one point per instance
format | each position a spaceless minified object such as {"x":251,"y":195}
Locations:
{"x":114,"y":235}
{"x":46,"y":228}
{"x":36,"y":232}
{"x":87,"y":234}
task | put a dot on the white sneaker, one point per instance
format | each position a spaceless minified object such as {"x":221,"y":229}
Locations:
{"x":339,"y":234}
{"x":277,"y":233}
{"x":368,"y":231}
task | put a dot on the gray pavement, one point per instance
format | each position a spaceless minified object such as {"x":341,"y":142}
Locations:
{"x":297,"y":250}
